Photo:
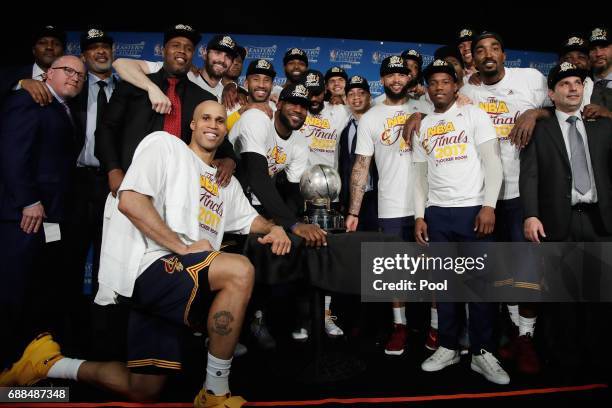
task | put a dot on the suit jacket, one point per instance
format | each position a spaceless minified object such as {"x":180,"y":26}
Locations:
{"x":345,"y":166}
{"x":129,"y":118}
{"x":546,"y":177}
{"x":37,"y":156}
{"x":9,"y":78}
{"x":602,"y":96}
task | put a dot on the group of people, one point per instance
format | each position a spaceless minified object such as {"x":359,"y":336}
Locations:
{"x":154,"y":163}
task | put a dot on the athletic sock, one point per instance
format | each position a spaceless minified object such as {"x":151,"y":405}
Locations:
{"x":526,"y":325}
{"x":217,"y":375}
{"x":399,"y":315}
{"x":434,"y":318}
{"x":514,"y":314}
{"x":66,"y":368}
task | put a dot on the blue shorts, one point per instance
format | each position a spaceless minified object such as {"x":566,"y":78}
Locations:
{"x":402,"y":227}
{"x":171,"y":295}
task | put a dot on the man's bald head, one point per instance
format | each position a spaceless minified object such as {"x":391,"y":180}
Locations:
{"x":209,"y":106}
{"x":209,"y":127}
{"x":67,"y":76}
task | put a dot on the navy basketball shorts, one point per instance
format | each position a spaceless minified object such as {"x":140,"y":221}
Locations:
{"x":171,"y":296}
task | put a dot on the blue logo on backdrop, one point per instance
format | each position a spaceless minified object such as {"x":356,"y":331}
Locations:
{"x":358,"y":57}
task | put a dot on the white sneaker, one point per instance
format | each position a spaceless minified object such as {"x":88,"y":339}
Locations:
{"x":331,"y":328}
{"x":300,"y":334}
{"x":443,"y":357}
{"x":487,"y":365}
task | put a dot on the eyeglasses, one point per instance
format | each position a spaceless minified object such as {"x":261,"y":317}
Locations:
{"x":70,"y":72}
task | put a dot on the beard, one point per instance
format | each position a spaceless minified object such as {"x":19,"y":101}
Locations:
{"x":211,"y":71}
{"x":396,"y":96}
{"x":318,"y":110}
{"x":287,"y":123}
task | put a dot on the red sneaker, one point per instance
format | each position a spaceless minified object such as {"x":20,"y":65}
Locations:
{"x":431,"y":343}
{"x":509,"y":350}
{"x":527,"y":359}
{"x":397,"y":340}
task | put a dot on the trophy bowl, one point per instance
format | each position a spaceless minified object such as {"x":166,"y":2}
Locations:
{"x":319,"y":186}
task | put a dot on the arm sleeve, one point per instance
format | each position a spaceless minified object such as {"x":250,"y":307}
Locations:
{"x":256,"y":170}
{"x":493,"y":173}
{"x":18,"y":149}
{"x":528,"y":179}
{"x":421,"y":189}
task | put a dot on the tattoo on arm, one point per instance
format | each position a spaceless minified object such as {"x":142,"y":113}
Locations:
{"x":359,"y":178}
{"x":221,"y":323}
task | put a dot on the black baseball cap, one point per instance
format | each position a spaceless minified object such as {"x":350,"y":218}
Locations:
{"x":448,"y":51}
{"x":574,"y":44}
{"x":413,"y":55}
{"x":439,"y":65}
{"x":357,"y":81}
{"x":335,"y":72}
{"x":295,"y":93}
{"x":564,"y":70}
{"x":482,"y":36}
{"x":393,"y":64}
{"x":599,"y":36}
{"x":223,"y":43}
{"x":465,"y":34}
{"x":240,"y":50}
{"x":261,"y":66}
{"x":182,"y":30}
{"x":50,"y":31}
{"x":295,"y":53}
{"x":313,"y":81}
{"x":94,"y":35}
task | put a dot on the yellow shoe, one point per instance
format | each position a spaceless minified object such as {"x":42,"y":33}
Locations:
{"x":206,"y":399}
{"x":38,"y":357}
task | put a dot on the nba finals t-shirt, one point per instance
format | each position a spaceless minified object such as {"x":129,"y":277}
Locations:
{"x":322,"y":132}
{"x":380,"y":134}
{"x":519,"y":90}
{"x":448,"y":143}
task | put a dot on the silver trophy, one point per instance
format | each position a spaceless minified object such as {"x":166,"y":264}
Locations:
{"x":320,"y":186}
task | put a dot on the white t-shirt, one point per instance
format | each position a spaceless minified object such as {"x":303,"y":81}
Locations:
{"x":255,"y":133}
{"x":588,"y":92}
{"x":221,"y":208}
{"x":322,"y":132}
{"x":217,"y":91}
{"x":380,"y":134}
{"x":447,"y":142}
{"x":519,"y":90}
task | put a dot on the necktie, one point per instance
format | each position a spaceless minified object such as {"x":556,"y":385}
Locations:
{"x":601,"y":84}
{"x":172,"y":121}
{"x":101,"y":102}
{"x":352,"y":134}
{"x":580,"y":170}
{"x":67,"y":109}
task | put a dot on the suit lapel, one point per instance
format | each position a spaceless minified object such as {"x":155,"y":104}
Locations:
{"x":554,"y":129}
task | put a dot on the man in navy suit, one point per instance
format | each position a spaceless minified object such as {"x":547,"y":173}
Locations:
{"x":37,"y":156}
{"x":357,"y":93}
{"x":48,"y":44}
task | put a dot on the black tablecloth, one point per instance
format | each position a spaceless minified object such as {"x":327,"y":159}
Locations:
{"x":335,"y":268}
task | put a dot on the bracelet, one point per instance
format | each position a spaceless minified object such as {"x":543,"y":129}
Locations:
{"x":354,"y":215}
{"x":19,"y":83}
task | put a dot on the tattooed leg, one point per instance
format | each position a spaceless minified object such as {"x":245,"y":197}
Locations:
{"x":232,"y":276}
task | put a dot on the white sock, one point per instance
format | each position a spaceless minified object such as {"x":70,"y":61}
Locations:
{"x":434,"y":318}
{"x":514,"y":314}
{"x":258,"y":314}
{"x":66,"y":368}
{"x":217,"y":374}
{"x":526,"y":325}
{"x":399,"y":315}
{"x":327,"y":302}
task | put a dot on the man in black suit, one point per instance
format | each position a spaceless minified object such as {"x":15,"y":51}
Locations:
{"x":129,"y":116}
{"x":37,"y":156}
{"x":48,"y":44}
{"x":357,"y":91}
{"x":565,"y":185}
